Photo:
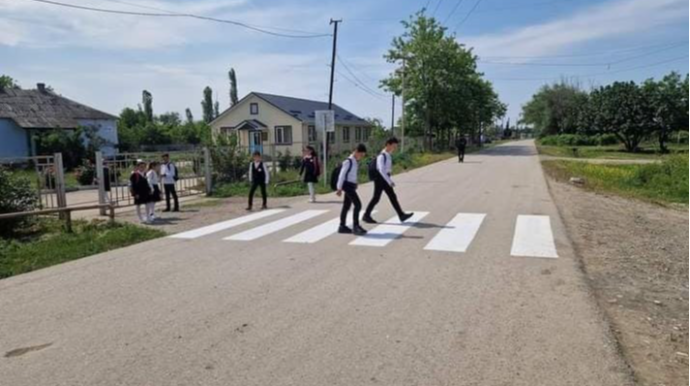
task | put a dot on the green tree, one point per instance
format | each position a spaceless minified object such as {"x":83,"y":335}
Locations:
{"x":8,"y":82}
{"x":668,"y":100}
{"x":170,"y":119}
{"x":147,"y":102}
{"x":216,"y":110}
{"x":555,"y":109}
{"x":621,"y":109}
{"x":16,"y":195}
{"x":445,"y":94}
{"x":207,"y":105}
{"x":233,"y":87}
{"x":189,"y":116}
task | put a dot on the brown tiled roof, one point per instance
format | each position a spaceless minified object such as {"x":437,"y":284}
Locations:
{"x":35,"y":109}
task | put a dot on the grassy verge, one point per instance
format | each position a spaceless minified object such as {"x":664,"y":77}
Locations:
{"x":609,"y":152}
{"x":287,"y":184}
{"x":664,"y":183}
{"x":45,"y":243}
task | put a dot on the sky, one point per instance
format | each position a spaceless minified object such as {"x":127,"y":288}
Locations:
{"x":106,"y":60}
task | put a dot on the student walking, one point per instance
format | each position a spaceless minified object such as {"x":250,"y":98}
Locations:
{"x":311,"y":169}
{"x":140,"y":189}
{"x":258,"y":178}
{"x":169,"y":176}
{"x":380,"y":171}
{"x":154,"y":181}
{"x":461,"y":144}
{"x":347,"y":183}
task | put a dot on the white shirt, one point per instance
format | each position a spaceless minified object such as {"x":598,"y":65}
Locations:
{"x":152,"y":177}
{"x":348,"y":172}
{"x":168,"y":173}
{"x":384,"y":164}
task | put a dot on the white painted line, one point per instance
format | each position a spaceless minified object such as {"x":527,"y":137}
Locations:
{"x":276,"y":226}
{"x":221,"y":226}
{"x":320,"y":232}
{"x":533,"y":237}
{"x":458,"y":233}
{"x":388,"y":231}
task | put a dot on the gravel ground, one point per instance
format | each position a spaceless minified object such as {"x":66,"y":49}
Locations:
{"x":635,"y":255}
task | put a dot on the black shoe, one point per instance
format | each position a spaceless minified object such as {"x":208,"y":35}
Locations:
{"x":369,"y":220}
{"x":264,"y":207}
{"x":344,"y":230}
{"x":176,"y":210}
{"x":248,"y":209}
{"x":166,"y":210}
{"x":406,"y":216}
{"x":359,"y":231}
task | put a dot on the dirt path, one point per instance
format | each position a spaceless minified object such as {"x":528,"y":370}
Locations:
{"x":636,"y":257}
{"x":611,"y":161}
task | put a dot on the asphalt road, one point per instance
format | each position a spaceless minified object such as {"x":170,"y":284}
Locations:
{"x":469,"y":295}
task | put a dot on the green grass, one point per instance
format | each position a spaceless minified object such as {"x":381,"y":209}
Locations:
{"x":70,"y":178}
{"x":663,"y":183}
{"x":649,"y":151}
{"x":288,"y":184}
{"x":45,"y":243}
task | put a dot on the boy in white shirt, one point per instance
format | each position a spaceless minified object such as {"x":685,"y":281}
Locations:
{"x":347,"y":183}
{"x":384,"y":183}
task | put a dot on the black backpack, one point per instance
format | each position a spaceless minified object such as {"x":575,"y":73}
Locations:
{"x":372,"y":171}
{"x":335,"y":174}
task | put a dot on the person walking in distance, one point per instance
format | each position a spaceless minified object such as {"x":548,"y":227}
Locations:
{"x":347,"y":184}
{"x":258,"y":178}
{"x":311,"y":170}
{"x":461,"y":144}
{"x":169,"y":177}
{"x":140,"y":189}
{"x":380,"y":172}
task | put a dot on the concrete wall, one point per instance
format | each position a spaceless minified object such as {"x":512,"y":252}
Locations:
{"x":107,"y":129}
{"x":14,"y":141}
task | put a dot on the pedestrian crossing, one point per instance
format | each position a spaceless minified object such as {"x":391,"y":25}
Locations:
{"x":532,"y":234}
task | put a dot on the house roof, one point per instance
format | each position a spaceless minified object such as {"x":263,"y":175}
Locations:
{"x":303,"y":109}
{"x":250,"y":124}
{"x":43,"y":109}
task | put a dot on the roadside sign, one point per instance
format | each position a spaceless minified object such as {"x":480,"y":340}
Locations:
{"x":325,"y":120}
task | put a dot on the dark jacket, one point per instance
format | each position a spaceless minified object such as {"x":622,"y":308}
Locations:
{"x":311,"y":169}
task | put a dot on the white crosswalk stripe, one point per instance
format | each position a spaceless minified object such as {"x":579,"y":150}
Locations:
{"x":388,"y":231}
{"x":533,"y":237}
{"x":276,"y":226}
{"x":221,"y":226}
{"x":458,"y":233}
{"x":319,"y":232}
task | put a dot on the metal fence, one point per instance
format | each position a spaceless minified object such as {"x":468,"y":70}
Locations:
{"x":46,"y":175}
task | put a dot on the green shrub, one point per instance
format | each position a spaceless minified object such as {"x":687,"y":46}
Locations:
{"x":16,"y":195}
{"x":579,"y":140}
{"x":668,"y":179}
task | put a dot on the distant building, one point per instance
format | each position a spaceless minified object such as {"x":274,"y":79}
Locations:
{"x":24,"y":113}
{"x":261,"y":120}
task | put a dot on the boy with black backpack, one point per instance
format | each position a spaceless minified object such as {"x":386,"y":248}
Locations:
{"x":380,"y":170}
{"x":346,"y":183}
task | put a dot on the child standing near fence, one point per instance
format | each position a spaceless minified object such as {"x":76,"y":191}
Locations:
{"x":140,"y":189}
{"x":311,"y":170}
{"x":153,"y":179}
{"x":258,"y":177}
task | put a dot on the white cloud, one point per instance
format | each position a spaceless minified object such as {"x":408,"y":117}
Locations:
{"x":608,"y":20}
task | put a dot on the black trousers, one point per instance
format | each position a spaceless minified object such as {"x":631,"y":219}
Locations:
{"x":351,"y":198}
{"x":257,"y":184}
{"x":170,"y":191}
{"x":380,"y":186}
{"x":461,"y":154}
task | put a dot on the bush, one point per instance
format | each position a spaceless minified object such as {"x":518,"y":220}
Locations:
{"x":86,"y":173}
{"x":16,"y":195}
{"x":579,"y":140}
{"x":668,"y":179}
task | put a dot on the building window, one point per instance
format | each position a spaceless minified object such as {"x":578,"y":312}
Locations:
{"x":311,"y":132}
{"x":254,"y":108}
{"x":331,"y":137}
{"x":365,"y":133}
{"x":283,"y":135}
{"x":346,"y":134}
{"x":358,"y":134}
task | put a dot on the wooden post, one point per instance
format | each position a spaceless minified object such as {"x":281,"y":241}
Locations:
{"x":100,"y":176}
{"x":207,"y":171}
{"x":68,"y":220}
{"x":111,"y":213}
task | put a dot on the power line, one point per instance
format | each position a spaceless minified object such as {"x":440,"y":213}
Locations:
{"x":358,"y":86}
{"x":468,"y":15}
{"x":177,"y":13}
{"x":596,"y":74}
{"x":183,"y":15}
{"x":601,"y":64}
{"x":452,"y":12}
{"x":436,"y":8}
{"x":359,"y":81}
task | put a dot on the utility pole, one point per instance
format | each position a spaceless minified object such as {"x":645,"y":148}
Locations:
{"x":330,"y":97}
{"x":393,"y":115}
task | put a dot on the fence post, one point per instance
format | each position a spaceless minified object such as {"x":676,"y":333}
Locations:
{"x":60,"y":181}
{"x":100,"y":177}
{"x":207,"y":171}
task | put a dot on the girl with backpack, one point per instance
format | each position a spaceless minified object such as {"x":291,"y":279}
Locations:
{"x":154,"y":180}
{"x":310,"y":170}
{"x":140,"y":189}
